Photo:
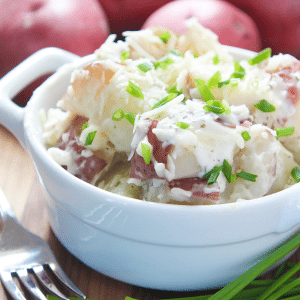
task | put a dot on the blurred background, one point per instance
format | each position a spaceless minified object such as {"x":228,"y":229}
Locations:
{"x":81,"y":26}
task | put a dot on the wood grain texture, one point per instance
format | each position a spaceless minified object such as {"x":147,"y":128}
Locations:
{"x":20,"y":184}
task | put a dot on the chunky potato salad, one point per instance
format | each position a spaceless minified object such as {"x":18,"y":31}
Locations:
{"x":175,"y":119}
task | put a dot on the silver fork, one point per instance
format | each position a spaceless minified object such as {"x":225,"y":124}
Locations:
{"x":23,"y":253}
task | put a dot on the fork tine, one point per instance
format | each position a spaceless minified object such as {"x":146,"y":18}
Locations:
{"x":45,"y":280}
{"x":30,"y":284}
{"x":65,"y":280}
{"x":10,"y":285}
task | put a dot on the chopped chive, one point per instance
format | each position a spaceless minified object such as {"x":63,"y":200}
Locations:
{"x":163,"y":64}
{"x":118,"y":115}
{"x":165,"y":36}
{"x":124,"y":55}
{"x":204,"y":89}
{"x":90,"y":137}
{"x":239,"y":71}
{"x":287,"y":131}
{"x":265,"y":106}
{"x":226,"y":169}
{"x":173,"y":90}
{"x":183,"y":125}
{"x":217,"y":107}
{"x":134,"y":90}
{"x":130,"y":117}
{"x":84,"y":126}
{"x":176,"y":52}
{"x":296,"y":173}
{"x":212,"y":175}
{"x":246,"y":136}
{"x":247,"y":176}
{"x":146,"y":153}
{"x":214,"y":80}
{"x":261,"y":56}
{"x":144,"y":67}
{"x":214,"y":109}
{"x":216,"y":59}
{"x":164,"y":100}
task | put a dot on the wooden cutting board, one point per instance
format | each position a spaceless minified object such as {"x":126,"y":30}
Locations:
{"x":20,"y":184}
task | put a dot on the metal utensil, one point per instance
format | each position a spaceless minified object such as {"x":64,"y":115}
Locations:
{"x":25,"y":256}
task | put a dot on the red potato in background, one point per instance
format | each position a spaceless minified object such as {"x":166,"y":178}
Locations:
{"x":129,"y":14}
{"x":27,"y":26}
{"x":233,"y":26}
{"x":278,"y":22}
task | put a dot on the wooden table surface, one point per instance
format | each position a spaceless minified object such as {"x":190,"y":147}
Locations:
{"x":19,"y":182}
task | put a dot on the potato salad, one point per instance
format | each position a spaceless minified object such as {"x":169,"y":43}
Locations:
{"x":177,"y":119}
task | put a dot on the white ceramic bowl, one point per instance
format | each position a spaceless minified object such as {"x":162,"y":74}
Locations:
{"x":152,"y":245}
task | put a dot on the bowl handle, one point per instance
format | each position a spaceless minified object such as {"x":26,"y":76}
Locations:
{"x":44,"y":61}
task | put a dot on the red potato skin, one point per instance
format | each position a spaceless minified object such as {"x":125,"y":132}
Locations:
{"x":27,"y":26}
{"x":232,"y":25}
{"x":129,"y":14}
{"x":278,"y":22}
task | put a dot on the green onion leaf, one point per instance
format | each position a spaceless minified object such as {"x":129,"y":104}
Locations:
{"x":183,"y":125}
{"x":204,"y":89}
{"x":296,"y":173}
{"x":214,"y":80}
{"x":173,"y":90}
{"x":246,"y":136}
{"x":124,"y":55}
{"x":226,"y":169}
{"x":163,"y":64}
{"x":287,"y":131}
{"x":265,"y":106}
{"x":176,"y":52}
{"x":216,"y":59}
{"x":165,"y":36}
{"x":261,"y":56}
{"x":239,"y":71}
{"x":217,"y":107}
{"x":212,"y":175}
{"x":214,"y":109}
{"x":247,"y":176}
{"x":164,"y":100}
{"x":84,"y":126}
{"x":134,"y":90}
{"x":144,"y":67}
{"x":90,"y":137}
{"x":118,"y":115}
{"x":222,"y":83}
{"x":146,"y":153}
{"x":130,"y":117}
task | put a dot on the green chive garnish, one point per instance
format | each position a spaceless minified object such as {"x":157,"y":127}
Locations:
{"x":265,"y":106}
{"x":163,"y":64}
{"x":173,"y":90}
{"x":90,"y":137}
{"x":246,"y":136}
{"x":287,"y":131}
{"x":239,"y":71}
{"x":165,"y":36}
{"x":217,"y":107}
{"x":226,"y":169}
{"x":214,"y":80}
{"x":84,"y":126}
{"x":176,"y":52}
{"x":146,"y":153}
{"x":216,"y":59}
{"x":296,"y":173}
{"x":261,"y":56}
{"x":144,"y":67}
{"x":183,"y":125}
{"x":222,"y":83}
{"x":130,"y":117}
{"x":124,"y":55}
{"x":247,"y":176}
{"x":134,"y":90}
{"x":118,"y":115}
{"x":212,"y":175}
{"x":164,"y":100}
{"x":204,"y":89}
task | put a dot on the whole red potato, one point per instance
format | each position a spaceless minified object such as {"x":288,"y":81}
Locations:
{"x":28,"y":25}
{"x":232,"y":25}
{"x":129,"y":14}
{"x":278,"y":22}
